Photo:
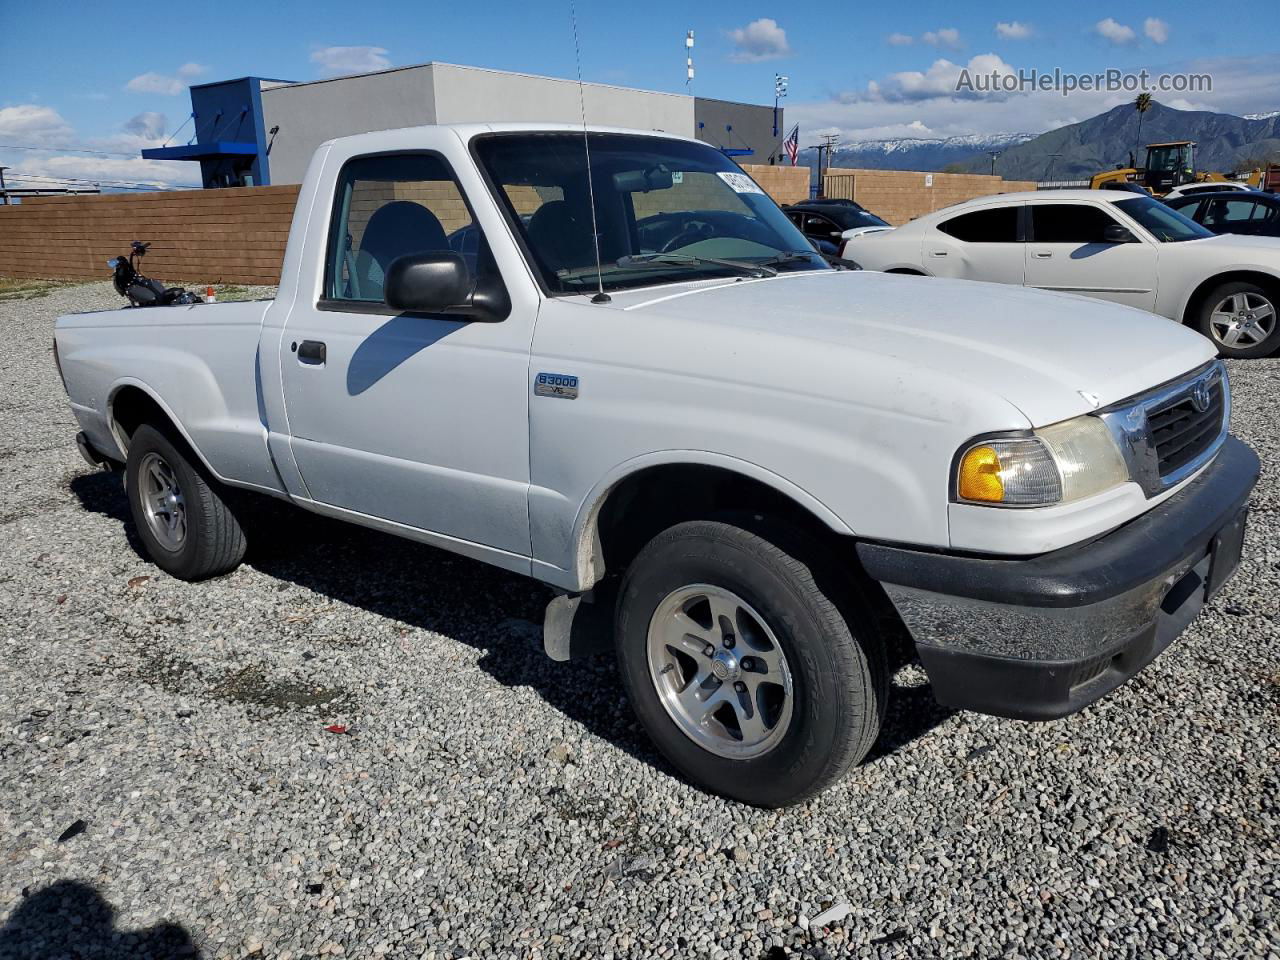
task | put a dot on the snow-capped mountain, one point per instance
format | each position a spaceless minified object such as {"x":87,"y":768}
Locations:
{"x":1262,"y":116}
{"x":918,"y":153}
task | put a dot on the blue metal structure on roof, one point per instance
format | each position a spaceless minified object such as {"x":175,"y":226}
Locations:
{"x":202,"y":151}
{"x":230,"y":142}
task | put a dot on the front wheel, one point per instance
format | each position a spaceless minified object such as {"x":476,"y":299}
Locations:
{"x":1241,"y":319}
{"x":180,"y":513}
{"x":742,"y":666}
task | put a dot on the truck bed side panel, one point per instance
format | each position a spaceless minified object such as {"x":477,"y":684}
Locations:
{"x":200,"y":363}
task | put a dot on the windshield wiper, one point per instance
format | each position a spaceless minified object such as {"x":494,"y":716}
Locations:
{"x":684,"y":259}
{"x":791,"y":256}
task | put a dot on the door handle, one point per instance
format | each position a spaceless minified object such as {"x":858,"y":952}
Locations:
{"x":1042,"y":255}
{"x":937,"y":253}
{"x":311,"y":352}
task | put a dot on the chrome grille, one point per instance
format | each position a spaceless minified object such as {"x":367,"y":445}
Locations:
{"x":1180,"y":432}
{"x":1169,"y":433}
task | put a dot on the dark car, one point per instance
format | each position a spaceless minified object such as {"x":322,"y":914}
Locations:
{"x":1233,"y":211}
{"x":825,"y":222}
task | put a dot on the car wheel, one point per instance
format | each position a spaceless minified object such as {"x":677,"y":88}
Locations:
{"x":1242,"y":320}
{"x":743,"y":667}
{"x":180,"y":513}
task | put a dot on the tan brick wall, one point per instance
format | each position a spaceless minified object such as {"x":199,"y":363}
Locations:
{"x":785,"y":184}
{"x":212,"y":236}
{"x":899,"y":196}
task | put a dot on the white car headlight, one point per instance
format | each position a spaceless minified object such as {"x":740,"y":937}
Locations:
{"x":1061,"y":463}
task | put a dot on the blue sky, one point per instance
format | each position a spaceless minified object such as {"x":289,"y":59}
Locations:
{"x":79,"y":78}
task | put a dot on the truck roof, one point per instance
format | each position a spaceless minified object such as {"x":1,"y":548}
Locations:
{"x":466,"y":131}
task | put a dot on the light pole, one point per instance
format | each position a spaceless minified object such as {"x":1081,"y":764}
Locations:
{"x":993,"y":154}
{"x":779,"y":91}
{"x":1053,"y":158}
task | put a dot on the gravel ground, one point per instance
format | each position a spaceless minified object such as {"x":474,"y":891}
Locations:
{"x":172,"y":789}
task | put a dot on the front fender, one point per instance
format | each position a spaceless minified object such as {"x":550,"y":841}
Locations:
{"x":585,"y":548}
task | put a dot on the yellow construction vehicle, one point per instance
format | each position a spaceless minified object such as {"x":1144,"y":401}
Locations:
{"x":1169,"y":165}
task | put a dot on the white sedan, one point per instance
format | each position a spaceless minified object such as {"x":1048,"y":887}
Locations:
{"x":1209,"y":186}
{"x":1116,"y":246}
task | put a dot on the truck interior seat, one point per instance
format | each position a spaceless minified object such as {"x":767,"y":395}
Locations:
{"x":561,"y":234}
{"x":395,"y":229}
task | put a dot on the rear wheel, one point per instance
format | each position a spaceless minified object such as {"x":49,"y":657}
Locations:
{"x":741,"y":664}
{"x":179,"y":511}
{"x":1242,"y":320}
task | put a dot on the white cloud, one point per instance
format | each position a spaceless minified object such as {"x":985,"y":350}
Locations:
{"x":1157,"y":30}
{"x":1114,"y":32}
{"x":759,"y":40}
{"x":940,"y":81}
{"x":1013,"y":30}
{"x":336,"y":61}
{"x":62,"y":154}
{"x":169,"y":85}
{"x":948,"y":37}
{"x":149,"y":125}
{"x":901,"y":39}
{"x":33,"y":125}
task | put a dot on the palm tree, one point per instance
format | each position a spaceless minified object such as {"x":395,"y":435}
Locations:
{"x":1142,"y":104}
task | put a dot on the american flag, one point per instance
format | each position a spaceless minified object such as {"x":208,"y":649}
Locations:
{"x":792,"y":144}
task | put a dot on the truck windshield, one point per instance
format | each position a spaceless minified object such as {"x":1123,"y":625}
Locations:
{"x":665,"y":210}
{"x":1166,"y":224}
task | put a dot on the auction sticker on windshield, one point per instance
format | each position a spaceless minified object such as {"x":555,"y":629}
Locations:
{"x":740,"y":182}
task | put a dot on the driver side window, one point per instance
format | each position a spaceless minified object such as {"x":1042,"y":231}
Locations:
{"x":389,"y":206}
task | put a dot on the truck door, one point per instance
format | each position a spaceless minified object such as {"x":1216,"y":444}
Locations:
{"x":1068,"y":250}
{"x":421,"y":420}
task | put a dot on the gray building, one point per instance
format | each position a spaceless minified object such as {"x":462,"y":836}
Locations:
{"x":276,"y":125}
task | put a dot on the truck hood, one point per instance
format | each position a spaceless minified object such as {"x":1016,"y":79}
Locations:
{"x":1051,"y":355}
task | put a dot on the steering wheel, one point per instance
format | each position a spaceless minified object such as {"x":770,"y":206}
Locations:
{"x":691,"y":232}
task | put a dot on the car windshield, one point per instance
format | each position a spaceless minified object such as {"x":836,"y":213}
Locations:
{"x":664,"y":210}
{"x":1165,"y":224}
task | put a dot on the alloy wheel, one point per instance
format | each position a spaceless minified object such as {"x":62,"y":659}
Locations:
{"x":162,"y":502}
{"x":1243,"y":320}
{"x":720,"y":672}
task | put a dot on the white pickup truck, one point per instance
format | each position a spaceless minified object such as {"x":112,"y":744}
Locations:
{"x":624,"y":372}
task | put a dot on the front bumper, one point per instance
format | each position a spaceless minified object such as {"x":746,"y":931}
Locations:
{"x":1039,"y":638}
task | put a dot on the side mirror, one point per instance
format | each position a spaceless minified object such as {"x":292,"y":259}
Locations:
{"x":439,"y":282}
{"x":1114,"y":233}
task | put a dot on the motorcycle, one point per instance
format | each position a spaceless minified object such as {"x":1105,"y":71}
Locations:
{"x":143,"y":291}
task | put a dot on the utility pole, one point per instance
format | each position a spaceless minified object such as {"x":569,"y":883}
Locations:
{"x":779,"y":91}
{"x":4,"y":191}
{"x":993,"y":154}
{"x":829,"y":142}
{"x":688,"y":61}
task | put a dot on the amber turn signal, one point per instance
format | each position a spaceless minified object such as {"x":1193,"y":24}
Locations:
{"x":980,"y":476}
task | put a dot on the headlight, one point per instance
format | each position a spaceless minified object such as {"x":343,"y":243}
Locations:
{"x":1058,"y":464}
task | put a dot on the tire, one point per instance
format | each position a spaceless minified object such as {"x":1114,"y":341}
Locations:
{"x":803,"y":651}
{"x":1244,"y":313}
{"x":180,"y":513}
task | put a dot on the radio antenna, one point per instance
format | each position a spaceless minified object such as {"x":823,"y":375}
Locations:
{"x":601,"y":296}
